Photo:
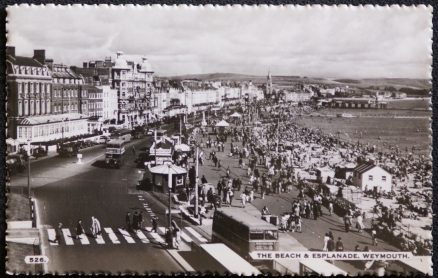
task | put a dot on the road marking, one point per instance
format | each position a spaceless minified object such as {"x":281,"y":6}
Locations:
{"x":185,"y":237}
{"x":161,"y":231}
{"x":88,"y":161}
{"x":67,"y":237}
{"x":52,"y":236}
{"x":126,"y":235}
{"x":196,"y":234}
{"x":112,"y":235}
{"x":84,"y":239}
{"x":157,"y":237}
{"x":142,"y":237}
{"x":99,"y":239}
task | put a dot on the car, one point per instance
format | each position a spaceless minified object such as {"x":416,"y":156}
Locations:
{"x":142,"y":158}
{"x":15,"y":164}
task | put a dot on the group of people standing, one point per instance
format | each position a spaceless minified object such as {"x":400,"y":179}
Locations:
{"x":134,"y":222}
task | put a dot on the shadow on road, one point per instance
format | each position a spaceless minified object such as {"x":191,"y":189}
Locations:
{"x":99,"y":164}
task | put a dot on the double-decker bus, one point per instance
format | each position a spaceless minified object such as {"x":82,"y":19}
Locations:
{"x":244,"y":232}
{"x":115,"y":152}
{"x":122,"y":134}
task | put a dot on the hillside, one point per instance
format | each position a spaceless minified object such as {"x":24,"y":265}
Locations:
{"x":284,"y":80}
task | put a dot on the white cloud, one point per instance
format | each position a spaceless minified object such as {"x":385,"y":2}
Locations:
{"x":316,"y":41}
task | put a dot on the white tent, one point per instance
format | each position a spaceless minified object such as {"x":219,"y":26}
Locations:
{"x":235,"y":115}
{"x":222,"y":123}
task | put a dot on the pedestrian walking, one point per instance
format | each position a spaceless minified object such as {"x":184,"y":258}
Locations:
{"x":58,"y":233}
{"x":140,"y":220}
{"x":231,"y":194}
{"x":374,"y":236}
{"x":315,"y":211}
{"x":154,"y":224}
{"x":95,"y":227}
{"x":347,"y":222}
{"x":298,"y":224}
{"x":326,"y":239}
{"x":243,"y":199}
{"x":359,"y":223}
{"x":330,"y":207}
{"x":128,"y":225}
{"x":339,"y":245}
{"x":79,"y":229}
{"x":136,"y":221}
{"x":331,"y":245}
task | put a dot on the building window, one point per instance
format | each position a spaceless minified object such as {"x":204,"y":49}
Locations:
{"x":383,"y":178}
{"x":37,"y":107}
{"x":43,"y":107}
{"x":19,"y":88}
{"x":20,"y":132}
{"x":20,"y":108}
{"x":26,"y":107}
{"x":48,"y":106}
{"x":370,"y":177}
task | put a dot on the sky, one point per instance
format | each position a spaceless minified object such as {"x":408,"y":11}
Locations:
{"x":318,"y":41}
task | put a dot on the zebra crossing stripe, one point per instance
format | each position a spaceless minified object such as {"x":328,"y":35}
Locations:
{"x":99,"y":239}
{"x":52,"y":236}
{"x":157,"y":237}
{"x":67,"y":237}
{"x":185,"y":237}
{"x":196,"y":234}
{"x":84,"y":239}
{"x":112,"y":235}
{"x":161,"y":231}
{"x":126,"y":235}
{"x":142,"y":237}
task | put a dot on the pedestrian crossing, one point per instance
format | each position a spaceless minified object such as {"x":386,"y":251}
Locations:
{"x":121,"y":236}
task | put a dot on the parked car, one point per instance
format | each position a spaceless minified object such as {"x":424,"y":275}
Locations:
{"x":39,"y":152}
{"x":142,"y":158}
{"x":68,"y":149}
{"x":15,"y":164}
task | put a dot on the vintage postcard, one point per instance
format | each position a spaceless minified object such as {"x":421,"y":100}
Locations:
{"x":219,"y":139}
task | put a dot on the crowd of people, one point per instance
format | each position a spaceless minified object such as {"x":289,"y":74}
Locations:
{"x":274,"y":148}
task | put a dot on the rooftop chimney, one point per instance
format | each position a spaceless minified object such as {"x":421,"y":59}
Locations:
{"x":40,"y":55}
{"x":10,"y":50}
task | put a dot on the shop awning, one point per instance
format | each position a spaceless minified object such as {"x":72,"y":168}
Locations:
{"x":166,"y":168}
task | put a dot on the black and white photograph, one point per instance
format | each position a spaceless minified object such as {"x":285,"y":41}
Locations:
{"x":280,"y":140}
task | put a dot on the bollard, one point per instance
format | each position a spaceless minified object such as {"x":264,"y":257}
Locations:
{"x":79,"y":156}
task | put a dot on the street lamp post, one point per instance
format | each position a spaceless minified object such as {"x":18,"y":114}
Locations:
{"x":196,"y":182}
{"x":28,"y":169}
{"x":169,"y":184}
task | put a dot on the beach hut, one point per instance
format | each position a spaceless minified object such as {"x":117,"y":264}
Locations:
{"x":159,"y":176}
{"x":372,"y":177}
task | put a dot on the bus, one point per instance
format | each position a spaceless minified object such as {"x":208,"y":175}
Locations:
{"x":115,"y":152}
{"x":244,"y":232}
{"x":122,"y":134}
